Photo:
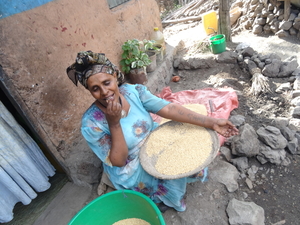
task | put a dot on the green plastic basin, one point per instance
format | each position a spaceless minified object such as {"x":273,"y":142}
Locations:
{"x":118,"y":205}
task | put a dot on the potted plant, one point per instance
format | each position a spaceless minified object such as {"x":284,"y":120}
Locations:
{"x":151,"y":50}
{"x":134,"y":61}
{"x":152,"y":46}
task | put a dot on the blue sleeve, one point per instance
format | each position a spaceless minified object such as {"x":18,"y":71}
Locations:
{"x":97,"y":139}
{"x":150,"y":102}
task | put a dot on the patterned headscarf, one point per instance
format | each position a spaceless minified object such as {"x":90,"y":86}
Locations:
{"x":89,"y":63}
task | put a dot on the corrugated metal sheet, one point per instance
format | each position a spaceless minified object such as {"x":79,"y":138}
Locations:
{"x":115,"y":3}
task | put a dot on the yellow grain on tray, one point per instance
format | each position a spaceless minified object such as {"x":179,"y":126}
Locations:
{"x":131,"y":221}
{"x":179,"y":148}
{"x":199,"y":108}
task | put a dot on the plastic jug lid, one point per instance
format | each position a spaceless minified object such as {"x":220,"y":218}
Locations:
{"x":156,"y":28}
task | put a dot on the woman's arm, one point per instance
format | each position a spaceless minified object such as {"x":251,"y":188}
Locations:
{"x":179,"y":113}
{"x":119,"y":150}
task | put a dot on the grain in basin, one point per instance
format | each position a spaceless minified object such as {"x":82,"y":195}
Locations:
{"x":131,"y":221}
{"x":180,"y":148}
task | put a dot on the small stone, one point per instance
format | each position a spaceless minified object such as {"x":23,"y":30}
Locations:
{"x":249,"y":183}
{"x":242,"y":175}
{"x":226,"y":153}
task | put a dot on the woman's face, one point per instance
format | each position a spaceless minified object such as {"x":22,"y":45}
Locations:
{"x":104,"y":87}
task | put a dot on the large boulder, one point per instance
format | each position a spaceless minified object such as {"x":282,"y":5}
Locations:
{"x":271,"y":136}
{"x":240,"y":212}
{"x":246,"y":143}
{"x":229,"y":179}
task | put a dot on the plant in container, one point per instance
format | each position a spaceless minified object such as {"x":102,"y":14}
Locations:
{"x":148,"y":45}
{"x":151,"y":50}
{"x":151,"y":46}
{"x":134,"y":61}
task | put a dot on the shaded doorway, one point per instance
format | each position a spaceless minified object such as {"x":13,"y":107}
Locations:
{"x":27,"y":214}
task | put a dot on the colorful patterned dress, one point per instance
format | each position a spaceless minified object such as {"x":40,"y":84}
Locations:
{"x":136,"y":127}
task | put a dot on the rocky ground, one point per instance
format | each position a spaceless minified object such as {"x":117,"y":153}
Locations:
{"x":265,"y":188}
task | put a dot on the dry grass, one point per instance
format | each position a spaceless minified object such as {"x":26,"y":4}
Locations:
{"x":260,"y":84}
{"x":199,"y":47}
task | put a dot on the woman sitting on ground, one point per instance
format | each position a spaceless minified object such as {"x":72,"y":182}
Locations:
{"x":117,"y":123}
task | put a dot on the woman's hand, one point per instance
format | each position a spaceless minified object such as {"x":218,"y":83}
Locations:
{"x":113,"y":112}
{"x":225,"y":128}
{"x":118,"y":151}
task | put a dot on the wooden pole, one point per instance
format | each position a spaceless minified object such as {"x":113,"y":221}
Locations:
{"x":287,"y":9}
{"x":193,"y":18}
{"x":224,"y":26}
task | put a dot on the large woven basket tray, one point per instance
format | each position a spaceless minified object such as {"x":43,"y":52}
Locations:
{"x":148,"y":163}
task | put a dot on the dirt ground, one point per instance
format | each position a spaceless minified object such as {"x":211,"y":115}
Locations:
{"x":276,"y":188}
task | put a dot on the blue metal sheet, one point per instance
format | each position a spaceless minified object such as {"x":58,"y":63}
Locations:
{"x":11,"y":7}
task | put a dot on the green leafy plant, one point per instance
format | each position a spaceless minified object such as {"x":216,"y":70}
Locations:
{"x":134,"y":56}
{"x":149,"y":45}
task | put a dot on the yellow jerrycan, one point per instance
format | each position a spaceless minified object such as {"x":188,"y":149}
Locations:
{"x":210,"y":22}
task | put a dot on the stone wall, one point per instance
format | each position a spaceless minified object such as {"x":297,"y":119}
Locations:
{"x":268,"y":17}
{"x":38,"y":45}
